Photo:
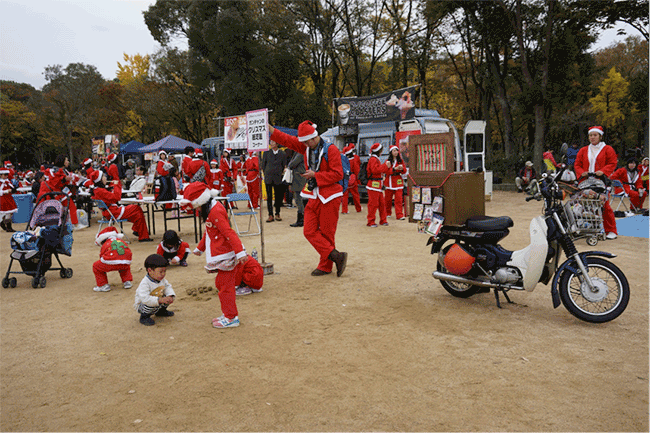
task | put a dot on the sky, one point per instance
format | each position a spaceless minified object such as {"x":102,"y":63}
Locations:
{"x":35,"y":34}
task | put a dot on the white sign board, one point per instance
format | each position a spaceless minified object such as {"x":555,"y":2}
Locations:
{"x":235,"y":132}
{"x":256,"y":130}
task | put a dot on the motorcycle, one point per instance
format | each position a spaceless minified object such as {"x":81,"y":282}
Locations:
{"x":588,"y":285}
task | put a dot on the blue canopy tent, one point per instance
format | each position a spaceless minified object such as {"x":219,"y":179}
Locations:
{"x":168,"y":144}
{"x":131,"y":147}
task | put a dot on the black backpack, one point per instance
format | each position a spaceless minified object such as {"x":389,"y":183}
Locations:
{"x":363,"y":173}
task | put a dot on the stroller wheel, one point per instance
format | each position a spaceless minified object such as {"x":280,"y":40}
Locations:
{"x":13,"y":281}
{"x":5,"y":282}
{"x":68,"y":273}
{"x":42,"y":282}
{"x":35,"y":282}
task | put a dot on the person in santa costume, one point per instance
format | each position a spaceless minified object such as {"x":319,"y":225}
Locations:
{"x":353,"y":182}
{"x":59,"y":179}
{"x":173,"y":248}
{"x":229,"y":168}
{"x":644,"y":172}
{"x":199,"y":169}
{"x":216,"y":175}
{"x":251,"y":172}
{"x":185,"y":163}
{"x":376,"y":171}
{"x":132,"y":213}
{"x":112,"y":171}
{"x":630,"y":177}
{"x":115,"y":255}
{"x":323,"y":172}
{"x":7,"y":204}
{"x":600,"y":159}
{"x":164,"y":173}
{"x":394,"y":184}
{"x":237,"y":272}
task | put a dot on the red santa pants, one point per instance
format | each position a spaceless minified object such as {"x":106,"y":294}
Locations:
{"x":636,"y":199}
{"x":133,"y":213}
{"x":227,"y":188}
{"x":250,"y":273}
{"x":254,"y":192}
{"x":609,"y":220}
{"x":354,"y":191}
{"x":399,"y":205}
{"x":376,"y":201}
{"x":321,"y":220}
{"x":100,"y":269}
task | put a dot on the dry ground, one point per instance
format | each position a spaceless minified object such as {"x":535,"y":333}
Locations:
{"x":383,"y":348}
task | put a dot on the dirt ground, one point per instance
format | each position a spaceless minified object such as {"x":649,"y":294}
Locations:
{"x":383,"y":348}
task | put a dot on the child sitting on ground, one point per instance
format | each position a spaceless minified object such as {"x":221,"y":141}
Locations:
{"x":154,"y":294}
{"x":115,"y":255}
{"x":173,"y":249}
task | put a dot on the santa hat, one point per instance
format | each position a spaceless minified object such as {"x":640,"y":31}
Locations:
{"x":214,"y":161}
{"x":349,"y":149}
{"x":111,"y":157}
{"x":228,"y":150}
{"x":307,"y":130}
{"x":106,"y":234}
{"x":196,"y":194}
{"x":4,"y":171}
{"x":88,"y":184}
{"x":8,"y":164}
{"x":394,"y":146}
{"x":87,"y":162}
{"x":598,"y":129}
{"x":376,"y":148}
{"x":198,"y":153}
{"x":160,"y":152}
{"x":96,"y":176}
{"x":29,"y":173}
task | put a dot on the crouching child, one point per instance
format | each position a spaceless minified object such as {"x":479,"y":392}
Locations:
{"x":115,"y":255}
{"x":154,"y":294}
{"x":174,"y":249}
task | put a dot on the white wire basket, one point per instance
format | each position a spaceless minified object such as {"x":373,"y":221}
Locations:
{"x":584,"y":216}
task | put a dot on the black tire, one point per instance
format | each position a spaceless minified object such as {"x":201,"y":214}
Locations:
{"x":607,"y":303}
{"x":62,"y":273}
{"x":35,"y":282}
{"x":458,"y":290}
{"x":5,"y":282}
{"x":42,"y":282}
{"x":68,"y":273}
{"x":13,"y":282}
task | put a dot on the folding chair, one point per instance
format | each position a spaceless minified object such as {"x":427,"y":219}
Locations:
{"x":621,"y":196}
{"x":234,"y":212}
{"x":109,"y":221}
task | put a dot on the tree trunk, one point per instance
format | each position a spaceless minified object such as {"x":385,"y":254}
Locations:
{"x":538,"y":147}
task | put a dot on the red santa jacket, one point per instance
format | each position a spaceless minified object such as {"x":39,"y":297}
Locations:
{"x":178,"y":251}
{"x":251,"y":168}
{"x":185,"y":165}
{"x":328,"y":171}
{"x":55,"y":182}
{"x":163,"y":168}
{"x":220,"y":242}
{"x":216,"y":175}
{"x":115,"y":252}
{"x":7,"y":203}
{"x":111,"y":198}
{"x":113,"y":172}
{"x":355,"y":166}
{"x":605,"y":161}
{"x":375,"y":171}
{"x":228,"y":167}
{"x":196,"y":165}
{"x":631,"y":181}
{"x":393,"y":179}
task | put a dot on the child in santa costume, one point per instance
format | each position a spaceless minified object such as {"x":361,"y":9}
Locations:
{"x":353,"y":180}
{"x":600,"y":159}
{"x":394,"y":183}
{"x":115,"y":255}
{"x":251,"y":171}
{"x":164,"y":173}
{"x":216,"y":175}
{"x":7,"y":204}
{"x":229,"y":168}
{"x":199,"y":169}
{"x":173,"y":248}
{"x":132,"y":213}
{"x":376,"y":201}
{"x":112,"y":171}
{"x":323,"y":173}
{"x":630,"y":177}
{"x":224,"y":254}
{"x":59,"y":179}
{"x":185,"y":164}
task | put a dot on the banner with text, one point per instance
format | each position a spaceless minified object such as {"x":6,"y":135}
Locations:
{"x":235,"y":132}
{"x":256,"y":130}
{"x":395,"y":105}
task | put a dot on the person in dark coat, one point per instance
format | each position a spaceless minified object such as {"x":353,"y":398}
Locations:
{"x":274,"y":162}
{"x":297,"y":165}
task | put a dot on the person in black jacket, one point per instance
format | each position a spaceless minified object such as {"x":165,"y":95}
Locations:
{"x":274,"y":162}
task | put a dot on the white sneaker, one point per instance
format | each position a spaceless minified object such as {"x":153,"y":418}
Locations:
{"x":223,"y":322}
{"x":611,"y":235}
{"x":128,"y":284}
{"x":104,"y":288}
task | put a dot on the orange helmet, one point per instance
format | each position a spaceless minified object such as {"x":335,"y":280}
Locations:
{"x":458,"y":261}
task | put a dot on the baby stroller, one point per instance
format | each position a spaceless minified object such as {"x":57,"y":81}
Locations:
{"x":49,"y":232}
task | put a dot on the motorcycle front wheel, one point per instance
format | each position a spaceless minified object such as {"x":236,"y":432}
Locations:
{"x":459,"y":290}
{"x":606,"y":301}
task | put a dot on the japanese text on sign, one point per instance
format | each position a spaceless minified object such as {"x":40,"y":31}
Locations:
{"x":256,"y":130}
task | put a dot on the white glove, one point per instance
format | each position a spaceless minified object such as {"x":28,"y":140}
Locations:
{"x":175,"y":260}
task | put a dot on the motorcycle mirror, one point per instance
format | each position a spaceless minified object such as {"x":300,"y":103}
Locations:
{"x":564,"y":148}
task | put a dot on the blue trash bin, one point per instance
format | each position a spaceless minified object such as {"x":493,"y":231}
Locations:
{"x":25,"y":203}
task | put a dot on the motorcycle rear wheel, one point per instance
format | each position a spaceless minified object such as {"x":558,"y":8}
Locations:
{"x":607,"y":302}
{"x":459,"y":290}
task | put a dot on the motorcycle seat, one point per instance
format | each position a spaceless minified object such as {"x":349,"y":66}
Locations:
{"x":488,"y":224}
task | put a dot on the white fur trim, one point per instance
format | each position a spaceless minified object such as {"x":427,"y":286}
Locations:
{"x":105,"y":236}
{"x":205,"y":197}
{"x":598,"y":130}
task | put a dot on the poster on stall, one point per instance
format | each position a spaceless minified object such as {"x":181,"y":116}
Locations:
{"x":402,"y":140}
{"x":256,"y":130}
{"x":235,"y":132}
{"x":97,"y":145}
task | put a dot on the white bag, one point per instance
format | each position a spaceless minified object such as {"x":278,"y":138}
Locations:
{"x":241,"y":186}
{"x":287,"y":177}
